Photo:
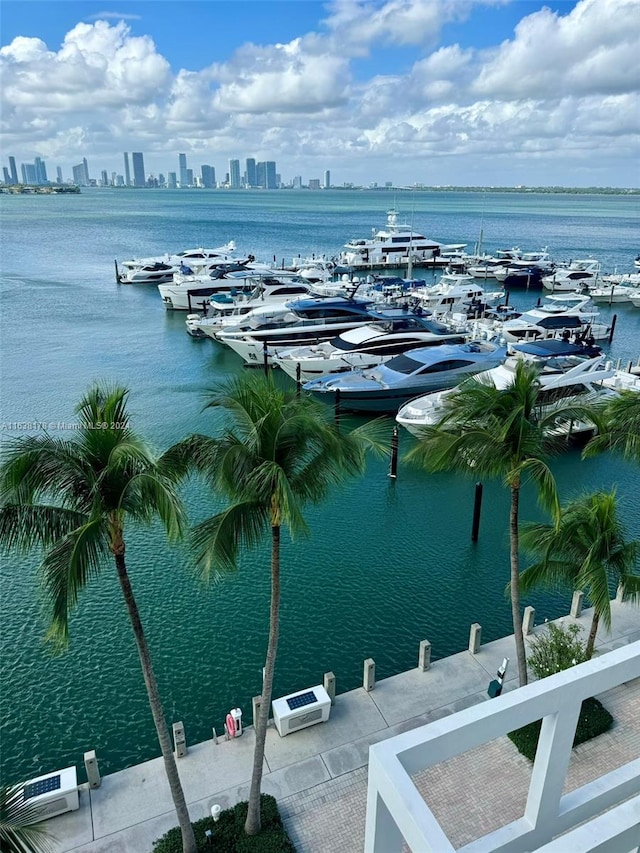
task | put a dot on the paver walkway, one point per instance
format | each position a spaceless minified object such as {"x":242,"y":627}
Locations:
{"x":319,"y":774}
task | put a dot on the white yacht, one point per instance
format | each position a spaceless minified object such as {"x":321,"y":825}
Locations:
{"x":454,"y":292}
{"x":194,"y":259}
{"x":609,"y":293}
{"x":299,"y":322}
{"x":227,"y":309}
{"x":392,"y":331}
{"x":566,"y":377}
{"x":554,"y":319}
{"x":578,"y":274}
{"x":393,"y":246}
{"x":154,"y":272}
{"x":188,"y":292}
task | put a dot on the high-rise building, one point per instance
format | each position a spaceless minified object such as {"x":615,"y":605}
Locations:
{"x":172,"y":180}
{"x":314,"y":183}
{"x":86,"y":170}
{"x":182,"y":170}
{"x":190,"y":181}
{"x":138,"y":169}
{"x":59,"y":175}
{"x":208,"y":176}
{"x":13,"y":170}
{"x":251,"y":172}
{"x":6,"y":175}
{"x":327,"y":180}
{"x":234,"y":174}
{"x":270,"y":174}
{"x":80,"y":176}
{"x":28,"y":173}
{"x":41,"y":171}
{"x":261,"y":175}
{"x":104,"y":179}
{"x":127,"y":173}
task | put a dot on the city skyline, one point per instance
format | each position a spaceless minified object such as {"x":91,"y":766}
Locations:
{"x":407,"y":91}
{"x":261,"y":174}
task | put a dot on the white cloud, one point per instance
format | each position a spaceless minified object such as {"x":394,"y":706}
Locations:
{"x":563,"y":85}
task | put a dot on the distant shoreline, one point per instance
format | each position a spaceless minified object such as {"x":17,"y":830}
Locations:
{"x":25,"y":189}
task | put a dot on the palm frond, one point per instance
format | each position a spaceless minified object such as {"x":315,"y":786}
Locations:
{"x":66,"y":569}
{"x":24,"y":526}
{"x":148,"y":494}
{"x":39,"y":466}
{"x":20,"y":831}
{"x":217,"y":540}
{"x":619,"y":428}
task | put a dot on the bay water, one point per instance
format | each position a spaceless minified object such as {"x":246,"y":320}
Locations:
{"x":386,"y":563}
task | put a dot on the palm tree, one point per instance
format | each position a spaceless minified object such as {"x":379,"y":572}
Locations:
{"x":585,"y":549}
{"x":501,"y":433}
{"x":20,"y":830}
{"x":620,"y":430}
{"x":277,"y":452}
{"x":71,"y":498}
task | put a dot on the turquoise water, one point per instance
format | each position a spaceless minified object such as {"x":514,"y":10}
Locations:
{"x":386,"y":563}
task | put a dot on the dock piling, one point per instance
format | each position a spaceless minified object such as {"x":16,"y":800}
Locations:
{"x":369,"y":675}
{"x":477,"y":507}
{"x":393,"y":471}
{"x":576,"y":604}
{"x":179,"y":740}
{"x":91,"y":767}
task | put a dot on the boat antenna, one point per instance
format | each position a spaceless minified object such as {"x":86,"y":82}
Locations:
{"x":484,"y":200}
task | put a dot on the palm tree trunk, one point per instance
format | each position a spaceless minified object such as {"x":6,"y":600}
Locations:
{"x":592,"y":635}
{"x":514,"y":541}
{"x":252,"y":825}
{"x":188,"y":838}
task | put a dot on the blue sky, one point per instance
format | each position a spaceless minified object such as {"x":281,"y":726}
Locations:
{"x":408,"y":91}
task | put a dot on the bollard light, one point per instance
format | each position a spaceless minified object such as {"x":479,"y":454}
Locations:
{"x":215,"y":811}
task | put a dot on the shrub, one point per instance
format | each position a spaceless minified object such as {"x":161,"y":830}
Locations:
{"x":594,"y":719}
{"x":557,"y":649}
{"x":228,"y":835}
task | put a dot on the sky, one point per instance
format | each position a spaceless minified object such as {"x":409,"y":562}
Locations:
{"x":432,"y":92}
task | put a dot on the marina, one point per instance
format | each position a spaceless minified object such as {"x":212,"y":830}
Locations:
{"x":384,"y":561}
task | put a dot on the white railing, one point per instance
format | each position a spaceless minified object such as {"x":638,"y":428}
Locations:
{"x":396,"y":811}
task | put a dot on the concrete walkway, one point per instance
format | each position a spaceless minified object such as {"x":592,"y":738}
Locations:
{"x":319,"y":774}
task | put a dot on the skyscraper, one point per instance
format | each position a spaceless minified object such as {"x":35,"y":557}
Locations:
{"x":104,"y":178}
{"x":138,"y":169}
{"x":80,"y":176}
{"x":208,"y":176}
{"x":270,"y":175}
{"x":86,"y":170}
{"x":28,"y":173}
{"x":13,"y":170}
{"x":59,"y":175}
{"x":172,"y":180}
{"x":41,"y":171}
{"x":251,"y":172}
{"x":127,"y":173}
{"x":234,"y":174}
{"x":182,"y":164}
{"x":261,"y":175}
{"x":7,"y":176}
{"x":327,"y":180}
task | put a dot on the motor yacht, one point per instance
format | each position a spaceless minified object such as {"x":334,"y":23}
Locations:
{"x":569,"y":374}
{"x":389,"y":385}
{"x":393,"y":246}
{"x":188,"y":292}
{"x":555,"y":319}
{"x":228,"y":308}
{"x":154,"y":272}
{"x":454,"y":292}
{"x":299,"y":322}
{"x":611,"y":293}
{"x":194,"y":259}
{"x":391,"y":332}
{"x":578,"y":274}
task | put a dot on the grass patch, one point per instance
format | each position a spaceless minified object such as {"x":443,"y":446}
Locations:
{"x":228,"y":835}
{"x":594,"y":719}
